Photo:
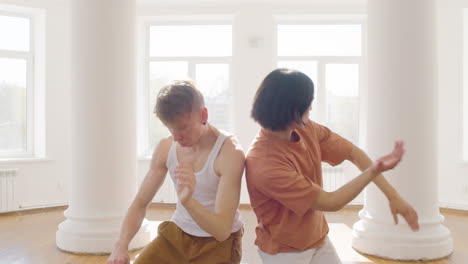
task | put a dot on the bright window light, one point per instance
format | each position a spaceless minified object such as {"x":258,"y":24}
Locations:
{"x":319,"y":40}
{"x":14,"y":33}
{"x":13,"y":106}
{"x":343,"y":79}
{"x":191,"y":40}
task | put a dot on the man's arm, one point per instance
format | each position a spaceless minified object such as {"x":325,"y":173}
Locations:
{"x":230,"y":166}
{"x":136,"y":213}
{"x":334,"y":201}
{"x":397,"y":205}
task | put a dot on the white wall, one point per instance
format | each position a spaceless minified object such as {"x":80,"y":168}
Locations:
{"x":453,"y":173}
{"x":43,"y":182}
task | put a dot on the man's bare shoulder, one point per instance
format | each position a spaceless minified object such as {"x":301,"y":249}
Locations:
{"x":165,"y":143}
{"x":232,"y":148}
{"x":231,"y":157}
{"x":161,"y":151}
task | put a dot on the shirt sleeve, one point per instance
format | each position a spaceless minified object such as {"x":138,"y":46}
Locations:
{"x":334,"y":148}
{"x":293,"y":190}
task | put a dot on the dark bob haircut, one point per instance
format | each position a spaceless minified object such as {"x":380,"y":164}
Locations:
{"x":282,"y":98}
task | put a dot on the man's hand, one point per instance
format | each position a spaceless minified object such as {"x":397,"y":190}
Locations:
{"x":398,"y":206}
{"x":119,"y":256}
{"x":186,"y":182}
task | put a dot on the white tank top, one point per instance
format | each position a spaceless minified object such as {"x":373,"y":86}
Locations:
{"x":205,"y":191}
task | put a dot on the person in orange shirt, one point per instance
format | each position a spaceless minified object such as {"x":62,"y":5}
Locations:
{"x":284,"y":174}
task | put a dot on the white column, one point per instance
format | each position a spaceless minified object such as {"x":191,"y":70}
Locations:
{"x":103,"y":127}
{"x":402,"y":105}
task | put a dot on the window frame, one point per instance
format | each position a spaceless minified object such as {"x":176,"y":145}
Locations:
{"x":29,"y":57}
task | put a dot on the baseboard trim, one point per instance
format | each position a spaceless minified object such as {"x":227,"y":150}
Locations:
{"x":352,"y":207}
{"x":444,"y":210}
{"x":173,"y":205}
{"x":35,"y":210}
{"x":162,"y":205}
{"x":455,"y":206}
{"x":243,"y":206}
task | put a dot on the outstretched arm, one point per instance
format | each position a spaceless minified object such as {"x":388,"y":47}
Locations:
{"x":333,"y":201}
{"x":137,"y":211}
{"x":397,"y":204}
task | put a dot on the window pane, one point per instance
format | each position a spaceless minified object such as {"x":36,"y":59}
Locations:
{"x":342,"y":81}
{"x":161,"y":73}
{"x":310,"y":69}
{"x":213,"y":82}
{"x":319,"y":40}
{"x":14,"y":33}
{"x":13,"y":105}
{"x":191,"y":40}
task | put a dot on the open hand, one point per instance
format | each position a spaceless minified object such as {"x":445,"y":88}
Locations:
{"x":389,"y":161}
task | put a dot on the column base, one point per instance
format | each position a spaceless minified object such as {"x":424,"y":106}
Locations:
{"x":98,"y":236}
{"x":399,"y":242}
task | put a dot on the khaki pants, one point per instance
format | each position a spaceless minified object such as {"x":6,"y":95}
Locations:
{"x":174,"y":246}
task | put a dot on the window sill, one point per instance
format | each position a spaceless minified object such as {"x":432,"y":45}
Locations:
{"x":23,"y":160}
{"x":144,"y":158}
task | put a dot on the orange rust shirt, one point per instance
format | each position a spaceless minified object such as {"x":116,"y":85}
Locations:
{"x":284,"y":179}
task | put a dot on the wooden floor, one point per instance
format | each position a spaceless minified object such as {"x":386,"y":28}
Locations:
{"x":30,"y":238}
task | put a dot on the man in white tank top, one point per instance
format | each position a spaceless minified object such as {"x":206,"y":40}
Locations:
{"x":206,"y":167}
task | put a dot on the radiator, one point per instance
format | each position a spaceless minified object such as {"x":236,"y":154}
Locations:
{"x":7,"y":190}
{"x":333,"y":177}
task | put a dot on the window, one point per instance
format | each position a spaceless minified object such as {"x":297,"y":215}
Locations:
{"x":198,"y":52}
{"x":331,"y":55}
{"x":16,"y":85}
